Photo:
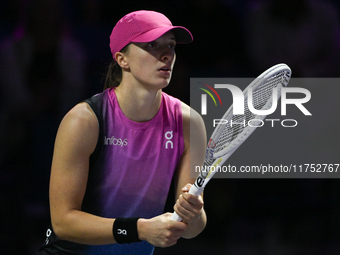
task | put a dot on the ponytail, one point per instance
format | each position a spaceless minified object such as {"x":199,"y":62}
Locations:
{"x":114,"y":73}
{"x":113,"y":76}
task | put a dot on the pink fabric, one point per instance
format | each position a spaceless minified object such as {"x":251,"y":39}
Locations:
{"x":137,"y":161}
{"x":144,"y":26}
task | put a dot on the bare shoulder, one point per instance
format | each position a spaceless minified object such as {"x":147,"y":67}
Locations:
{"x":192,"y":118}
{"x":79,"y":125}
{"x":193,"y":125}
{"x":81,"y":112}
{"x":81,"y":115}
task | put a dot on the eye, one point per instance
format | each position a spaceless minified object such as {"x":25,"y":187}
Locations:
{"x":152,"y":45}
{"x":172,"y":46}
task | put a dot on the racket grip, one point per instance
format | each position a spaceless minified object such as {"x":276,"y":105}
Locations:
{"x":193,"y":191}
{"x":175,"y":217}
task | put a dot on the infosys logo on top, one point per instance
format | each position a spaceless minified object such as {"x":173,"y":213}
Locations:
{"x":115,"y":141}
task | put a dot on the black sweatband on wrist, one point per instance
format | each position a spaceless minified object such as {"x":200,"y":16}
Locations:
{"x":125,"y":230}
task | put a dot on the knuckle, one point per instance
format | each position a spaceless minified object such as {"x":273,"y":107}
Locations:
{"x":186,"y":196}
{"x":168,"y":234}
{"x":163,"y":244}
{"x":182,"y":202}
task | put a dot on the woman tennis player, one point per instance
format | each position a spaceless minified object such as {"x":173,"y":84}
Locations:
{"x":116,"y":153}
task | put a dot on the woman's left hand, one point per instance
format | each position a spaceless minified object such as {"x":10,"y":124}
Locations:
{"x":188,"y":206}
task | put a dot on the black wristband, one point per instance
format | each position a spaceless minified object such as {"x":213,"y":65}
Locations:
{"x":125,"y":230}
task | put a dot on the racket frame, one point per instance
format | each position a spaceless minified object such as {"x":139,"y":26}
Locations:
{"x":205,"y":176}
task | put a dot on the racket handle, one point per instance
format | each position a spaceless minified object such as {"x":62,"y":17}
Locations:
{"x":193,"y":191}
{"x":175,"y":217}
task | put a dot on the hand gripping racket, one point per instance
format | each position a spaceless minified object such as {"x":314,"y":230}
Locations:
{"x":263,"y":92}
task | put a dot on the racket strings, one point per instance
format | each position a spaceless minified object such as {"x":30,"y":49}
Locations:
{"x":262,"y":98}
{"x":265,"y":90}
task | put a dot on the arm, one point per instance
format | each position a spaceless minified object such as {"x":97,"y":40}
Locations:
{"x":189,"y":207}
{"x":76,"y":140}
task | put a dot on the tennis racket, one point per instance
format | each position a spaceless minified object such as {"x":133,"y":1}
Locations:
{"x":226,"y":138}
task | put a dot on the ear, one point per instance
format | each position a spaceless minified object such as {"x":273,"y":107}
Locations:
{"x":121,"y":60}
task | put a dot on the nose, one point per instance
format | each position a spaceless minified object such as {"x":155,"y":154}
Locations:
{"x":167,"y":54}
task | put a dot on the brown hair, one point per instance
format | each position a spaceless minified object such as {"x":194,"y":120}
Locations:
{"x":114,"y":73}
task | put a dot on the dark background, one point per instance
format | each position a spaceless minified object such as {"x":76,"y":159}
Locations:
{"x":232,"y":38}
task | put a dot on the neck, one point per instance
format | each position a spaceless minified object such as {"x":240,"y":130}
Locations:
{"x":138,"y":104}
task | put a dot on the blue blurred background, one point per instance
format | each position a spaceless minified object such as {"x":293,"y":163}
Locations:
{"x":54,"y":54}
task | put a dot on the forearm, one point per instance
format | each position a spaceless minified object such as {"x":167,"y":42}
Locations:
{"x":84,"y":228}
{"x":196,"y":227}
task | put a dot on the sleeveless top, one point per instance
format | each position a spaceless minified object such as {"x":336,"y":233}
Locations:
{"x":131,"y":168}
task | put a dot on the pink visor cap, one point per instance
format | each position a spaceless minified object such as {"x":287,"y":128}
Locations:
{"x":144,"y":26}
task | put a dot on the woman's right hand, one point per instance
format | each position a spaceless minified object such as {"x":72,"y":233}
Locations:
{"x":160,"y":231}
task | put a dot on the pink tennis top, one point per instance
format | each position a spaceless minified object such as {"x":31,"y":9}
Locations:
{"x":130,"y":171}
{"x":131,"y":174}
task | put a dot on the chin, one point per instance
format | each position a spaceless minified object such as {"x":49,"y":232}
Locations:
{"x":163,"y":84}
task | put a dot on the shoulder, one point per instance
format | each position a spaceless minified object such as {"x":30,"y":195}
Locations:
{"x":82,"y":113}
{"x":193,"y":124}
{"x":79,"y":126}
{"x":191,"y":117}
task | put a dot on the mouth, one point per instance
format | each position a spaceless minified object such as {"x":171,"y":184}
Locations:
{"x":165,"y":69}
